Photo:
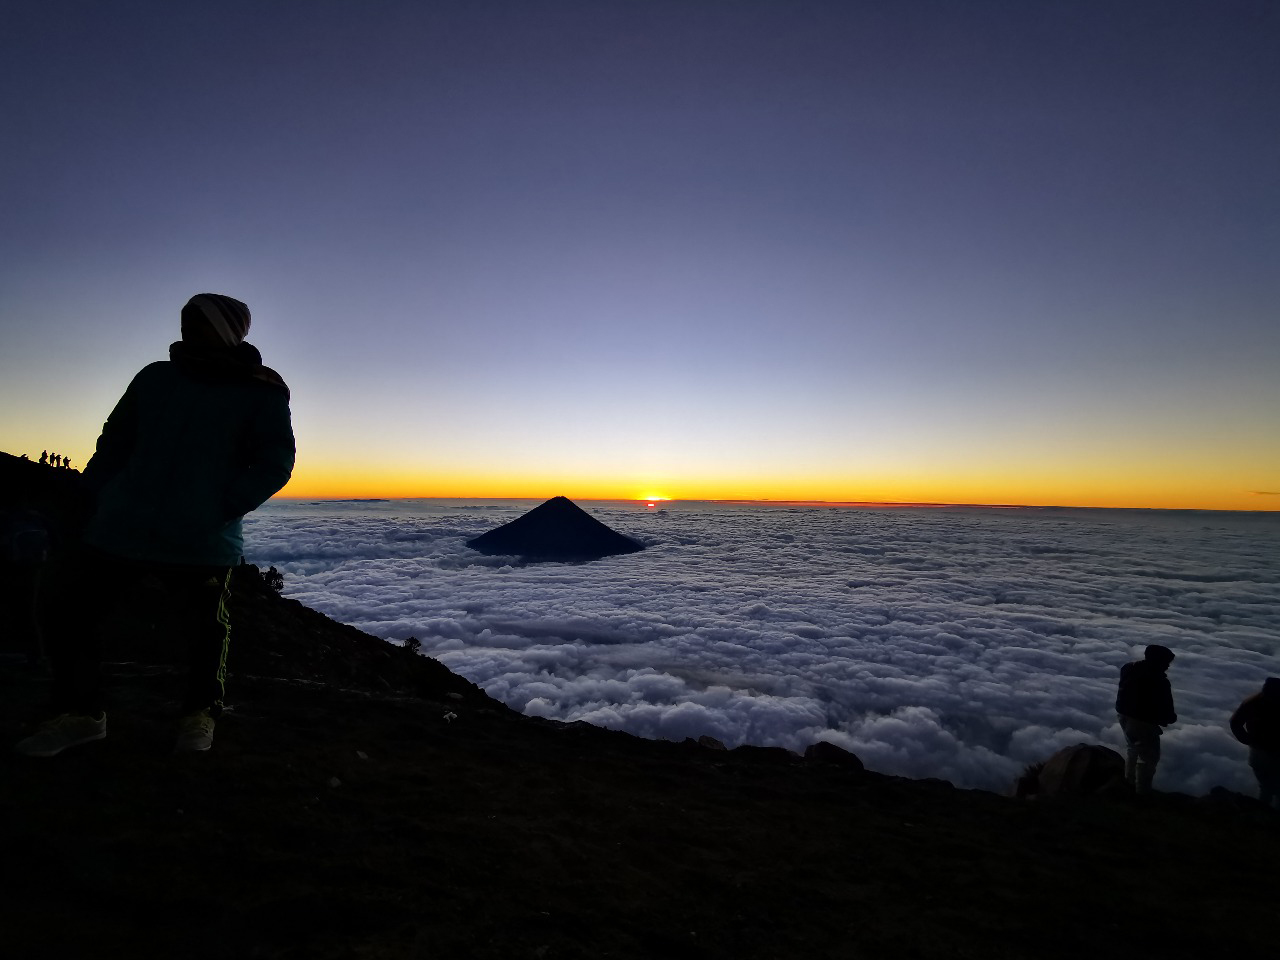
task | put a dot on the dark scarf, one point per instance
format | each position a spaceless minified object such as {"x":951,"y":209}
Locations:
{"x":224,"y":364}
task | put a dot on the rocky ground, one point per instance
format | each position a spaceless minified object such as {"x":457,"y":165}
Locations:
{"x":361,"y":801}
{"x":364,"y":802}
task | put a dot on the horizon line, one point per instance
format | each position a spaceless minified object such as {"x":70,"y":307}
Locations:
{"x":765,"y":501}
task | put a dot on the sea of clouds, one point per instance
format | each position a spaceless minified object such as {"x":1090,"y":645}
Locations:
{"x":954,"y":643}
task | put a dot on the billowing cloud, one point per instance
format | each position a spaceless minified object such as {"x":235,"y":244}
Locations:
{"x":961,"y":644}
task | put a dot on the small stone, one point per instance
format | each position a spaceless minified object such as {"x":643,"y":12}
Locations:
{"x":335,"y":782}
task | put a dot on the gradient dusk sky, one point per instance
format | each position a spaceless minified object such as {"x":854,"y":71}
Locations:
{"x":989,"y":252}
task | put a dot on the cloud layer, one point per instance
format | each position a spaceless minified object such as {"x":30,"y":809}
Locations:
{"x":961,"y":644}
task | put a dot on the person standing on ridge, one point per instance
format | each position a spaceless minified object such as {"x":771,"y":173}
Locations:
{"x":1144,"y":704}
{"x":196,"y":442}
{"x":1256,"y":724}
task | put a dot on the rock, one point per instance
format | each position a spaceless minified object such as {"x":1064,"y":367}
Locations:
{"x":764,"y":754}
{"x":556,"y":530}
{"x":823,"y":751}
{"x":1082,"y":770}
{"x":1228,"y":801}
{"x":711,"y":743}
{"x":937,"y":784}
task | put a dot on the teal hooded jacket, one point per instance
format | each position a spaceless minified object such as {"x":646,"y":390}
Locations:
{"x":195,"y":443}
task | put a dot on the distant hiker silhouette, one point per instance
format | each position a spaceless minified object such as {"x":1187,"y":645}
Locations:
{"x":44,"y":456}
{"x":1144,"y":704}
{"x":196,"y":442}
{"x":1256,"y":724}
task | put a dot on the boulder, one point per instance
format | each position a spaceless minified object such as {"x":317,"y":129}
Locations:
{"x":556,"y":530}
{"x":1082,"y":770}
{"x":823,"y":751}
{"x":758,"y":754}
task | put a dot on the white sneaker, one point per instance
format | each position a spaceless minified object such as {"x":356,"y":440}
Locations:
{"x":67,"y":730}
{"x":195,"y":733}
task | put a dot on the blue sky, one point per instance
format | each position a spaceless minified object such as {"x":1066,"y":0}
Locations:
{"x":990,"y":251}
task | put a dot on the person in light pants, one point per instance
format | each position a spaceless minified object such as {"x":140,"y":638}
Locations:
{"x":1144,"y":704}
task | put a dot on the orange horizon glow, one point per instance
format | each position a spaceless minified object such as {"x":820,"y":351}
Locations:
{"x":776,"y":502}
{"x":1116,"y":492}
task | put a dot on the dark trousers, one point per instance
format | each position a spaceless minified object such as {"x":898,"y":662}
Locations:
{"x":90,"y":590}
{"x":19,"y":623}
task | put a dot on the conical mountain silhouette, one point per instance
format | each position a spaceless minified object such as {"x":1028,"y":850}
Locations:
{"x":556,"y":530}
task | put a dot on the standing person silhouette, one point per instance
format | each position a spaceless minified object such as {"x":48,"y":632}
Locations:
{"x":196,"y":442}
{"x":1144,"y":703}
{"x":1256,"y":724}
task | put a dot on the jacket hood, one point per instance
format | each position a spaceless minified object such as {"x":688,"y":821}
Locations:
{"x":224,"y":364}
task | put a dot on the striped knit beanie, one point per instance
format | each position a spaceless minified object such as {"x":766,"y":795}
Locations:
{"x":228,"y":317}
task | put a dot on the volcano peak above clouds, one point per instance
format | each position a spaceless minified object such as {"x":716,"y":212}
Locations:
{"x":555,"y":530}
